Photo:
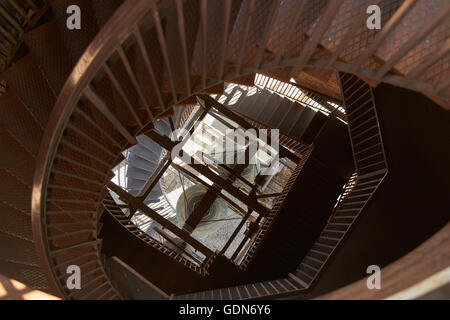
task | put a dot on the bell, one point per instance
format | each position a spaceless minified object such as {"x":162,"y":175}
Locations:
{"x":186,"y":205}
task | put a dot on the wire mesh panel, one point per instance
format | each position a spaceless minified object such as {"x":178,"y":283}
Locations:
{"x":344,"y":22}
{"x":438,"y":72}
{"x":26,"y":79}
{"x":215,"y":20}
{"x":364,"y":36}
{"x":259,"y":22}
{"x":285,"y":17}
{"x":237,"y":33}
{"x":422,"y":51}
{"x":421,"y":15}
{"x":304,"y":27}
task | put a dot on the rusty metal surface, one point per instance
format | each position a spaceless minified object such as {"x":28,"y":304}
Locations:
{"x":25,"y":78}
{"x":47,"y":47}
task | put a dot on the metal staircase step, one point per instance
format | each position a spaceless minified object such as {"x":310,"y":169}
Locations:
{"x":308,"y":268}
{"x":14,"y":192}
{"x":18,"y":121}
{"x":302,"y":123}
{"x":269,"y":108}
{"x":371,"y":174}
{"x":151,"y":147}
{"x":329,"y":238}
{"x":258,"y":104}
{"x":314,"y":128}
{"x":48,"y":49}
{"x":291,"y":117}
{"x":301,"y":278}
{"x":300,"y":283}
{"x":15,"y":158}
{"x":28,"y":83}
{"x":15,"y":222}
{"x":138,"y":173}
{"x":278,"y":115}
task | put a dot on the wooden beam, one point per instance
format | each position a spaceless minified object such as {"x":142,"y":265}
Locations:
{"x":163,"y":141}
{"x":203,"y":206}
{"x":269,"y":195}
{"x":311,"y":44}
{"x":138,"y":204}
{"x":230,"y":171}
{"x":153,"y":180}
{"x":167,"y":144}
{"x":245,"y":240}
{"x":390,"y":25}
{"x":228,"y":187}
{"x":200,"y":210}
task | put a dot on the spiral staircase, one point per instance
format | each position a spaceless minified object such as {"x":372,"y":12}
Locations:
{"x":72,"y":101}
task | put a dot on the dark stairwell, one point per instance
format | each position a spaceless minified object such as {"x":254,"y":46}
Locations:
{"x":302,"y":218}
{"x":412,"y":203}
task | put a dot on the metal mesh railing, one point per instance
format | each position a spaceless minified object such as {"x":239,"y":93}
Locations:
{"x":371,"y":169}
